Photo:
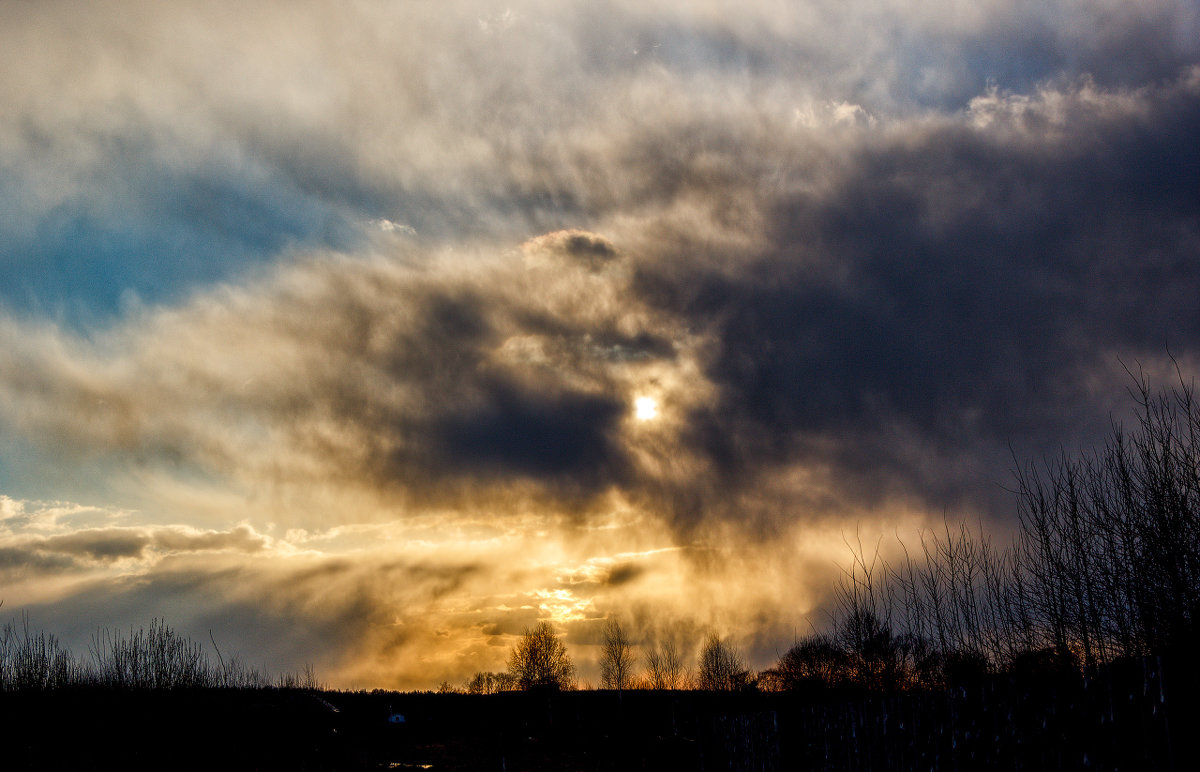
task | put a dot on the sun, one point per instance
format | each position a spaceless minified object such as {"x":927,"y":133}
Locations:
{"x":645,"y":408}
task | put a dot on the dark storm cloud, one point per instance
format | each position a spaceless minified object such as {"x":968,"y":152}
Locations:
{"x":621,"y":574}
{"x":105,"y":545}
{"x":99,"y":544}
{"x":469,"y":419}
{"x":21,"y":561}
{"x":953,"y":289}
{"x":527,"y":434}
{"x":591,"y":249}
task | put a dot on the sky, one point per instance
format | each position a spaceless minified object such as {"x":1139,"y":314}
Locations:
{"x":369,"y":334}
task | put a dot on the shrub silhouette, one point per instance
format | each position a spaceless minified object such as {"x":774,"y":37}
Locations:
{"x":157,"y":658}
{"x":34,"y":661}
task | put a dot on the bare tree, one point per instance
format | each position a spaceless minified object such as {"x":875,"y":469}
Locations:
{"x":721,"y":666}
{"x":664,"y":667}
{"x":616,"y":658}
{"x":1106,"y":564}
{"x":1110,"y":542}
{"x":540,"y":660}
{"x":490,"y":683}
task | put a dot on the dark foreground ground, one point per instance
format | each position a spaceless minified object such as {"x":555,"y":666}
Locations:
{"x":1128,"y":718}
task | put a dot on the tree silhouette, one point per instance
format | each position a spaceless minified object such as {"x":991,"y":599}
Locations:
{"x":812,"y":662}
{"x":664,"y":667}
{"x":721,"y":667}
{"x":540,"y":660}
{"x":616,"y":657}
{"x":490,"y":683}
{"x":1110,"y":544}
{"x":1105,"y":565}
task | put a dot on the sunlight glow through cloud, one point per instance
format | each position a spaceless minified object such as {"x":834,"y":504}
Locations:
{"x":645,"y":408}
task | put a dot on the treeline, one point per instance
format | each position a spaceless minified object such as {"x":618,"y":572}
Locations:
{"x":539,"y":660}
{"x":1105,"y":566}
{"x":154,"y":658}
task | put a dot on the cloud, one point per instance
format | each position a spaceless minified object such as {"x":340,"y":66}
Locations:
{"x":878,"y":317}
{"x":126,"y":545}
{"x":418,"y":382}
{"x":15,"y":561}
{"x":182,"y":148}
{"x":590,"y":248}
{"x":946,"y":274}
{"x":107,"y":545}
